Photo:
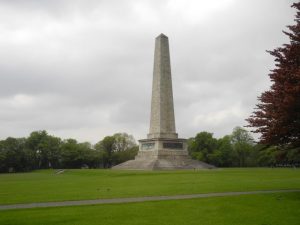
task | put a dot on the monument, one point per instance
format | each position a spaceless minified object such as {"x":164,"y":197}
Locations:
{"x":162,"y":149}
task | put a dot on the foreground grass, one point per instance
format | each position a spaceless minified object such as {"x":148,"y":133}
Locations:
{"x":43,"y":186}
{"x":266,"y":209}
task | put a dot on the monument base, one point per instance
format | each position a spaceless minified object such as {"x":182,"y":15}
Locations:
{"x":163,"y":154}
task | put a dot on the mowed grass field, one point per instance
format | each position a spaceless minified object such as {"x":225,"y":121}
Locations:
{"x":257,"y":209}
{"x":45,"y":186}
{"x":266,"y":209}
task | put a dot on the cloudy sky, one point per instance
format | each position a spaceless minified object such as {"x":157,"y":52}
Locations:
{"x":83,"y":69}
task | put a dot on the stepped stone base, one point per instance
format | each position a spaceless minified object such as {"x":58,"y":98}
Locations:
{"x":163,"y":160}
{"x":161,"y":156}
{"x":162,"y":164}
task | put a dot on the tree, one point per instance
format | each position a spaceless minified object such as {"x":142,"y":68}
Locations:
{"x":277,"y":116}
{"x":32,"y":144}
{"x":106,"y":147}
{"x":125,"y":155}
{"x":116,"y":149}
{"x":89,"y":156}
{"x":202,"y":146}
{"x":78,"y":155}
{"x":123,"y":141}
{"x":13,"y":158}
{"x":242,"y":143}
{"x":45,"y":148}
{"x":223,"y":155}
{"x":268,"y":156}
{"x":50,"y":151}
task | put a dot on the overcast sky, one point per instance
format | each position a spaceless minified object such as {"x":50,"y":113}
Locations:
{"x":83,"y":69}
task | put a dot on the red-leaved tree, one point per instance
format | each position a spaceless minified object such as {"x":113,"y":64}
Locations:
{"x":277,"y":116}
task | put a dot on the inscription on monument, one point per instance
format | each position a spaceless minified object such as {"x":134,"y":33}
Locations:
{"x":173,"y":145}
{"x":147,"y":146}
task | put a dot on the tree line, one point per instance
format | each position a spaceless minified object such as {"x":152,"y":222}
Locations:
{"x":239,"y":150}
{"x":42,"y":151}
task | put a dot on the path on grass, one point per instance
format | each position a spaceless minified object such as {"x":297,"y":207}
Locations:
{"x":135,"y":199}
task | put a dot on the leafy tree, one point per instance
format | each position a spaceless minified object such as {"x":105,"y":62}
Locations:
{"x":45,"y":148}
{"x":223,"y":155}
{"x":202,"y":146}
{"x":125,"y":155}
{"x":89,"y":156}
{"x":50,"y":151}
{"x":242,"y":143}
{"x":123,"y":141}
{"x":12,"y":155}
{"x":268,"y":156}
{"x":293,"y":157}
{"x":116,"y":149}
{"x":106,"y":147}
{"x":74,"y":154}
{"x":125,"y":148}
{"x":2,"y":158}
{"x":277,"y":116}
{"x":92,"y":158}
{"x":32,"y":144}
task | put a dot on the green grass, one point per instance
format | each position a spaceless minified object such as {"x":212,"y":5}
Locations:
{"x":43,"y":186}
{"x":266,"y":209}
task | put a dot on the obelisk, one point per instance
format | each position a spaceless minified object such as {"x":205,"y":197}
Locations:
{"x":162,"y":120}
{"x":162,"y":149}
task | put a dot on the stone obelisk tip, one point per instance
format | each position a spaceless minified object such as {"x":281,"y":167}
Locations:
{"x":162,"y":36}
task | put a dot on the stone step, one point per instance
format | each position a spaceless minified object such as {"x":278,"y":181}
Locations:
{"x":163,"y":164}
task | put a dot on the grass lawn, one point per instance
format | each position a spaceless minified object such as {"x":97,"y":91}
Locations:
{"x":263,"y":209}
{"x":43,"y":186}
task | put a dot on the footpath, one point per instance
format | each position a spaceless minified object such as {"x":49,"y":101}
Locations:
{"x":135,"y":199}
